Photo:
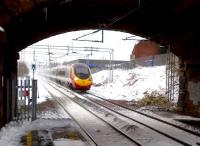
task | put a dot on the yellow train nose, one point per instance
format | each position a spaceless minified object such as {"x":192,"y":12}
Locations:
{"x":85,"y":82}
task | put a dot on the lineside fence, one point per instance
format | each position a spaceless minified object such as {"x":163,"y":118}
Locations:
{"x":26,"y":100}
{"x":172,"y":69}
{"x":149,"y":61}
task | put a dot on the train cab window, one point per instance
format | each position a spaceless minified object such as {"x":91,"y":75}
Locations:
{"x":82,"y":71}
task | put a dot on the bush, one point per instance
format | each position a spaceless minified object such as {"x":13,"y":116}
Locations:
{"x":154,"y":99}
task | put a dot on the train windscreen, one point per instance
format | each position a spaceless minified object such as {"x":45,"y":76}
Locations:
{"x":82,"y":71}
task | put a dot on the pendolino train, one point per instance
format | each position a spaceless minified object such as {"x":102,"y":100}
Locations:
{"x":77,"y":76}
{"x":80,"y":76}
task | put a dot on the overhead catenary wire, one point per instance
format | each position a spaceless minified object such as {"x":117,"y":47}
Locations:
{"x":103,"y":27}
{"x":61,"y":51}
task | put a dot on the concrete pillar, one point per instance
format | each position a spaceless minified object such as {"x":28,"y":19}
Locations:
{"x":183,"y":93}
{"x":193,"y":88}
{"x":189,"y":88}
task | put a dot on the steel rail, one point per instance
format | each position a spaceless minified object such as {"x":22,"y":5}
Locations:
{"x":142,"y":123}
{"x":83,"y":132}
{"x":169,"y":136}
{"x":116,"y":129}
{"x":144,"y":114}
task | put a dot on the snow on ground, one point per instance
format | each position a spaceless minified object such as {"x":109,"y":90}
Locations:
{"x":10,"y":135}
{"x":131,"y":84}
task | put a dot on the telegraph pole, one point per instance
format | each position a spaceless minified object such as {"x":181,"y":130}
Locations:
{"x":49,"y":55}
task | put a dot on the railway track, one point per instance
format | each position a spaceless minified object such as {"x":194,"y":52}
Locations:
{"x":90,"y":123}
{"x":168,"y":121}
{"x":87,"y":136}
{"x":142,"y":129}
{"x":169,"y":128}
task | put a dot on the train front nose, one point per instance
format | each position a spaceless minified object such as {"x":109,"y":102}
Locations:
{"x":82,"y":76}
{"x":83,"y":83}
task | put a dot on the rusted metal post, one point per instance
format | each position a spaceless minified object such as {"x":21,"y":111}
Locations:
{"x":34,"y":99}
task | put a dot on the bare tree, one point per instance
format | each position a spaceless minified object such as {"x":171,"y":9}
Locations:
{"x":22,"y":69}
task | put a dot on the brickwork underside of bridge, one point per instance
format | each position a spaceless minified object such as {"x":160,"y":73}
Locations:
{"x":189,"y":93}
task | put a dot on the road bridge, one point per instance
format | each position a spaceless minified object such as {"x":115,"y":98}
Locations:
{"x":167,"y":22}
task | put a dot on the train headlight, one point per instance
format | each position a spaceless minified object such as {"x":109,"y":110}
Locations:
{"x":75,"y":78}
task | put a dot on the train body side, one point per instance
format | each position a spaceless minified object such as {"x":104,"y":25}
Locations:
{"x":77,"y":76}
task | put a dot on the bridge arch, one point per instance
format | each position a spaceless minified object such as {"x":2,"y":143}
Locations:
{"x":173,"y":23}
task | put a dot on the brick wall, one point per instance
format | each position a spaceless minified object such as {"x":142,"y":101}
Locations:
{"x":145,"y":48}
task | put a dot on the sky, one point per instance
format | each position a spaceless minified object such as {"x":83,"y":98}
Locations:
{"x":127,"y":85}
{"x":112,"y":40}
